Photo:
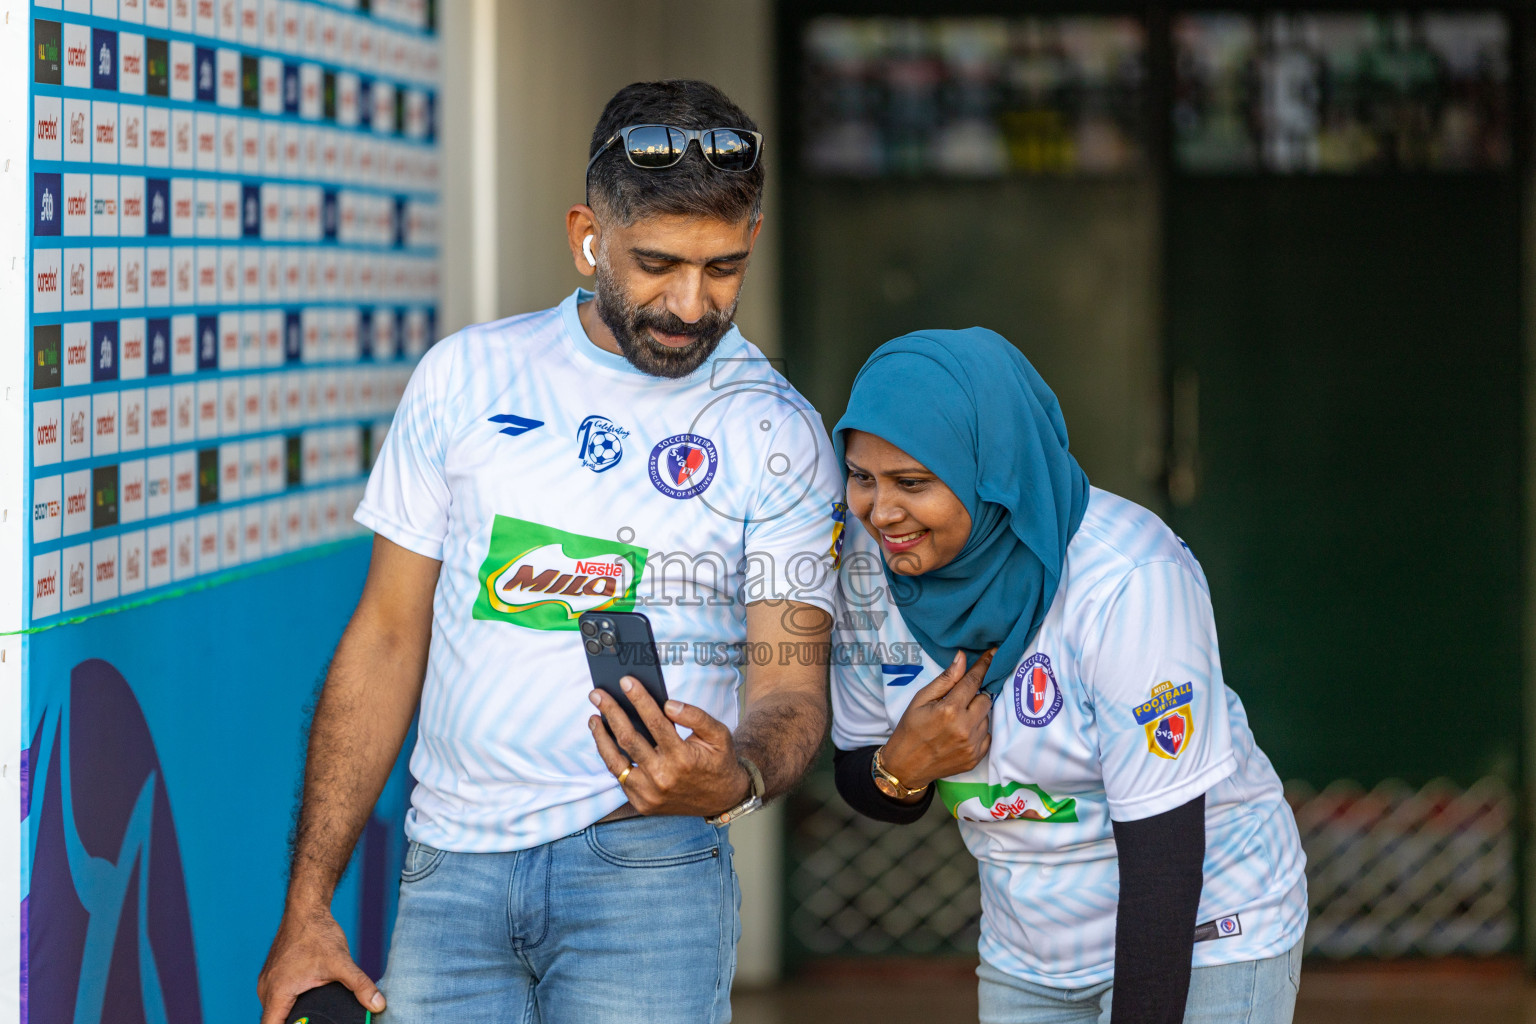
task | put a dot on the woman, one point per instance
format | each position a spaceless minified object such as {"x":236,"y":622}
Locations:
{"x":1133,"y":841}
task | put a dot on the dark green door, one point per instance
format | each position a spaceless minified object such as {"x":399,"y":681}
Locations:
{"x":1346,"y":361}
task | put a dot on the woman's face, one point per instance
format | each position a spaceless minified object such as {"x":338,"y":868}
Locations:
{"x":918,"y":521}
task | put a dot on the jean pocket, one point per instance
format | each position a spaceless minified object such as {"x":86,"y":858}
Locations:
{"x":420,"y":861}
{"x":659,"y":842}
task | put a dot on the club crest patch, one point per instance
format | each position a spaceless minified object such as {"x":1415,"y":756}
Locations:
{"x":683,"y":465}
{"x":1168,"y":718}
{"x":1036,"y":697}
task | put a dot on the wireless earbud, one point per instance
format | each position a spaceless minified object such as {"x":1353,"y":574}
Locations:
{"x":586,"y":250}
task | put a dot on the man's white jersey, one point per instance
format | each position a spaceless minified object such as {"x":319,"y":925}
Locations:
{"x":552,"y":478}
{"x":1117,"y":710}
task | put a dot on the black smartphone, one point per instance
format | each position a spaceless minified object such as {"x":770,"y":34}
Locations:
{"x":620,"y":644}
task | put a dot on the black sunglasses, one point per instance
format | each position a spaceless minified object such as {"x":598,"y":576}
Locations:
{"x":654,"y":146}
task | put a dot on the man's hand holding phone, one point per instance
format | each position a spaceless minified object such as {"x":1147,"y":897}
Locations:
{"x":697,"y":776}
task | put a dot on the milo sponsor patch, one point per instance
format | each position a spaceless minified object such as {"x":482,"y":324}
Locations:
{"x":543,"y":578}
{"x":977,"y":801}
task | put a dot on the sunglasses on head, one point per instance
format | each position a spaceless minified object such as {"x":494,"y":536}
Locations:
{"x":655,"y":146}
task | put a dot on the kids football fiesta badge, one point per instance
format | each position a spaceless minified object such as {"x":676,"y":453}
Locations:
{"x":1167,"y":719}
{"x":683,"y":465}
{"x":1036,"y":697}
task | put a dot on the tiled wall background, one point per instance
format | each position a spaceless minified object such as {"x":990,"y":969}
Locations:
{"x":234,"y":268}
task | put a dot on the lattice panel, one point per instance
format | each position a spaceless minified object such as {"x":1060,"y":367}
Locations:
{"x":1391,"y":871}
{"x":864,"y":887}
{"x":1394,"y":870}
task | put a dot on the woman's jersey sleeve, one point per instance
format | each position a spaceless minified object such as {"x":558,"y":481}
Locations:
{"x":407,"y":497}
{"x":1153,"y":674}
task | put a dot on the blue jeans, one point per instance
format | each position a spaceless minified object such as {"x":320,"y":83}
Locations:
{"x":629,"y":922}
{"x":1250,"y":992}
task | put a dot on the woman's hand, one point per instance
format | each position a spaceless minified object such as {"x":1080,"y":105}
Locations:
{"x":946,"y":729}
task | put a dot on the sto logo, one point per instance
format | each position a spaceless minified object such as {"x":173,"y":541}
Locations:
{"x":1168,"y":719}
{"x":1036,"y":697}
{"x":683,"y":465}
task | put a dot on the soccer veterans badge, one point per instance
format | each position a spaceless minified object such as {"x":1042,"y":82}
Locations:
{"x":1036,"y":697}
{"x":683,"y":465}
{"x":600,"y":443}
{"x":1168,"y":719}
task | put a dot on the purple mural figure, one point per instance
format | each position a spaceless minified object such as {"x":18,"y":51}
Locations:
{"x":108,"y":930}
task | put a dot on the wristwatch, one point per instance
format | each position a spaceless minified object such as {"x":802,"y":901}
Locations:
{"x":889,"y":784}
{"x":753,"y":802}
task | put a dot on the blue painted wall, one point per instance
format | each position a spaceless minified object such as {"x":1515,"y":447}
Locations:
{"x":190,"y":709}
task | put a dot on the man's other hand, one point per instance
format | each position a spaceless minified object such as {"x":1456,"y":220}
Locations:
{"x":310,"y":950}
{"x":695,"y":776}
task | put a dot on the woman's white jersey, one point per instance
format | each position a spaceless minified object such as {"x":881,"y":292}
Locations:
{"x":1118,"y":710}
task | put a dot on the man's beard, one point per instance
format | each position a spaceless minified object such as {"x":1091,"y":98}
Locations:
{"x":629,"y":324}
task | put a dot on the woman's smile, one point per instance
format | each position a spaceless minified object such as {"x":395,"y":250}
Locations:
{"x":902,"y":541}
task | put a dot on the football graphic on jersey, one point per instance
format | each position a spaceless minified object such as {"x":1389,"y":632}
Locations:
{"x":601,"y":443}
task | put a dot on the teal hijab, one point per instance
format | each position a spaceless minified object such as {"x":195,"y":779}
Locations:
{"x":971,"y":408}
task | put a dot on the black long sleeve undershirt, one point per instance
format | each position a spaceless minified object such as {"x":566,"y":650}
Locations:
{"x":1162,"y":862}
{"x":1161,"y":875}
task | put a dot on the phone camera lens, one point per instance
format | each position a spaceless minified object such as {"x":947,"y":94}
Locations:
{"x":588,"y":628}
{"x":608,"y":639}
{"x":593,"y":647}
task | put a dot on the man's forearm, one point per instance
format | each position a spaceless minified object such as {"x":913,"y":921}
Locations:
{"x":780,"y":733}
{"x":360,"y":722}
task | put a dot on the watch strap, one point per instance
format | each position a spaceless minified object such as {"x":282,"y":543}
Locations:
{"x":753,"y":802}
{"x":877,"y":765}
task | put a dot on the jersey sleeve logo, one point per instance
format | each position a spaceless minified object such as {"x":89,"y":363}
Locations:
{"x":1036,"y":697}
{"x":839,"y":522}
{"x":1014,"y":801}
{"x":542,"y":578}
{"x":1168,"y":719}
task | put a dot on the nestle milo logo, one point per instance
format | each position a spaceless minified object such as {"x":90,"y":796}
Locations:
{"x":543,"y":578}
{"x":1014,"y":801}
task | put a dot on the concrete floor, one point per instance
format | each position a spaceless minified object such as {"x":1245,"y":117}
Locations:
{"x":1437,"y":993}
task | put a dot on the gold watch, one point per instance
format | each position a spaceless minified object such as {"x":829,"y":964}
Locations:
{"x":889,"y":784}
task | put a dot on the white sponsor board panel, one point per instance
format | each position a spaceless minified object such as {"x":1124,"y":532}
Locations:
{"x":222,"y":216}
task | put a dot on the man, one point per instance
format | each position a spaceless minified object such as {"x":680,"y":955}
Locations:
{"x":631,"y":439}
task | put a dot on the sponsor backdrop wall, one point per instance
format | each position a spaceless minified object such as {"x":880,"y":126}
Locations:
{"x":232,"y":249}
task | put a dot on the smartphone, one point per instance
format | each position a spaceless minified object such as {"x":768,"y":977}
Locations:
{"x":620,"y":644}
